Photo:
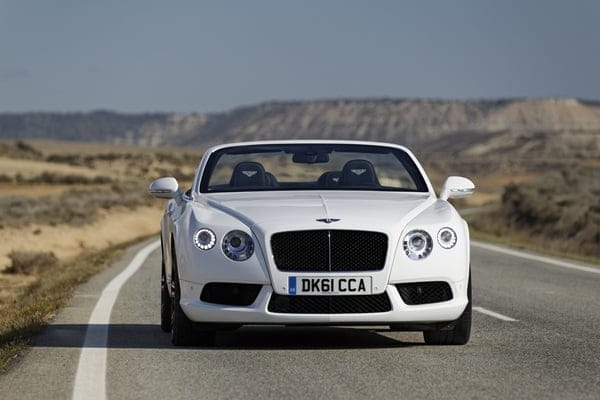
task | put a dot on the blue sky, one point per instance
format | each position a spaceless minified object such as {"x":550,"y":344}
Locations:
{"x":207,"y":56}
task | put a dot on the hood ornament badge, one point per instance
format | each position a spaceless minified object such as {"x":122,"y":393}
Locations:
{"x":328,"y":220}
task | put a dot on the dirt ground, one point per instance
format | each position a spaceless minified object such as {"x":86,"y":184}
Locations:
{"x":69,"y":241}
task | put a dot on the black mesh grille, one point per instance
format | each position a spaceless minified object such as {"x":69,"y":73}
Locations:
{"x":308,"y":251}
{"x":231,"y":294}
{"x":329,"y":304}
{"x":424,"y":292}
{"x":301,"y":250}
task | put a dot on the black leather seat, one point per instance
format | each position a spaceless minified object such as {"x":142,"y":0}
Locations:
{"x":330,"y":178}
{"x":359,"y":173}
{"x":271,"y":180}
{"x":248,"y":174}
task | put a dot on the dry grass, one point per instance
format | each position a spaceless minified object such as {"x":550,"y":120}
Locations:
{"x":67,"y":241}
{"x":54,"y":198}
{"x":12,"y":284}
{"x":523,"y":241}
{"x":28,"y":169}
{"x":43,"y":190}
{"x":29,"y":310}
{"x":75,"y":207}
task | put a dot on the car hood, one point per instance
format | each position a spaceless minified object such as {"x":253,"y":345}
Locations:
{"x":277,"y":211}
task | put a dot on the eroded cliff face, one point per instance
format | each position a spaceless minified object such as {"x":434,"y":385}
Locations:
{"x":426,"y":125}
{"x":420,"y":123}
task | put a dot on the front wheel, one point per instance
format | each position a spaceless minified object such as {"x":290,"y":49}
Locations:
{"x":165,"y":303}
{"x":182,"y":328}
{"x":459,"y":334}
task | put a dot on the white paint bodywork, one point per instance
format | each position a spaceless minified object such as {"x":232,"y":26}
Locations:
{"x":261,"y":214}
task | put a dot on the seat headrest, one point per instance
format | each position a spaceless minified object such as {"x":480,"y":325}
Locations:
{"x":359,"y":173}
{"x":330,"y":178}
{"x":270,"y":180}
{"x":248,"y":173}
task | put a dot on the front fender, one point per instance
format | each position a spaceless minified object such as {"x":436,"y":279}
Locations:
{"x":202,"y":266}
{"x":451,"y":265}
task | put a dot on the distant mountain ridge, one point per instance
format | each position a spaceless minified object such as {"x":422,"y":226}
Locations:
{"x":427,"y":125}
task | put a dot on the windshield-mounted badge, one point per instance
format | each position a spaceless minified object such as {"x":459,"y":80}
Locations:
{"x":358,"y":171}
{"x":328,"y":220}
{"x":249,"y":174}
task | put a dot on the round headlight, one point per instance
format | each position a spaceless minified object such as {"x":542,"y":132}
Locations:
{"x":417,"y":244}
{"x":205,"y":239}
{"x":446,"y":238}
{"x":238,"y":245}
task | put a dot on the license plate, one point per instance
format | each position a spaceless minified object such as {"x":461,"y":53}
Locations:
{"x":321,"y":285}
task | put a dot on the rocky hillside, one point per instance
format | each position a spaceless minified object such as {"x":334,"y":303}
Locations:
{"x":97,"y":126}
{"x":519,"y":125}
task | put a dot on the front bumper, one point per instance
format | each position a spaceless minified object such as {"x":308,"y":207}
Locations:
{"x":257,"y":313}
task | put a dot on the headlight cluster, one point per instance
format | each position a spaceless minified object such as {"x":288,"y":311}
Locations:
{"x":446,"y":238}
{"x":205,"y":239}
{"x":237,"y":245}
{"x":418,"y":244}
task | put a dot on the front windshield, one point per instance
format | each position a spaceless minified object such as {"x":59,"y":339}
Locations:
{"x":311,"y":167}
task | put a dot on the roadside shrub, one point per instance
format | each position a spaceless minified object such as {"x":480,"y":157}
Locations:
{"x":5,"y":178}
{"x":75,"y":207}
{"x":560,"y":209}
{"x":30,"y":262}
{"x":66,"y":179}
{"x":100,"y":179}
{"x":71,"y":159}
{"x":21,"y":150}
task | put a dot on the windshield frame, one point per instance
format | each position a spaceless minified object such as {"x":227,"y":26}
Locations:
{"x":404,"y":156}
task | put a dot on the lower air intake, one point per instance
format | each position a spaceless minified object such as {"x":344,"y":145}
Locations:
{"x":230,"y":294}
{"x":329,"y":304}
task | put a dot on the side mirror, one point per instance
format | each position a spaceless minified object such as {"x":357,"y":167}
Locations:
{"x":164,"y":188}
{"x":457,"y":186}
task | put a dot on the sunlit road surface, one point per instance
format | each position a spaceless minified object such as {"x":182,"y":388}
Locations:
{"x":536,"y":333}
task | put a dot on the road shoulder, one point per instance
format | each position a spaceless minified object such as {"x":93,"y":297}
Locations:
{"x":54,"y":353}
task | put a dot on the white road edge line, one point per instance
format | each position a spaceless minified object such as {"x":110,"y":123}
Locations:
{"x":90,"y":379}
{"x":534,"y":257}
{"x":494,"y":314}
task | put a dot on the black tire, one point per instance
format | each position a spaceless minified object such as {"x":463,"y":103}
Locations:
{"x":205,"y":338}
{"x":182,"y":329}
{"x":165,"y":302}
{"x":459,"y":334}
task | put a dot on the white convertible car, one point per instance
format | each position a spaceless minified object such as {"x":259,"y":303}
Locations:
{"x":313,"y":233}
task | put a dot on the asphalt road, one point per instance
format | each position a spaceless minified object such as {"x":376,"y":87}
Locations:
{"x":550,"y":348}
